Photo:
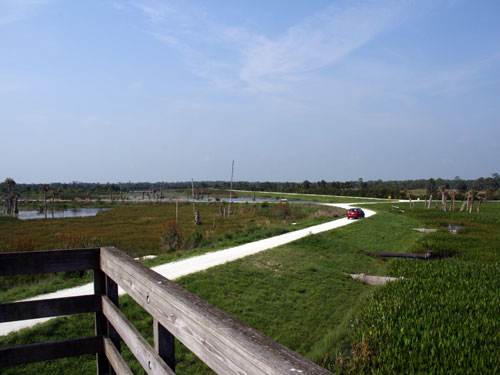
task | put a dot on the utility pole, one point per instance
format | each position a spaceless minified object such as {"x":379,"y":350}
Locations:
{"x":177,"y":213}
{"x":192,"y":188}
{"x":231,"y":190}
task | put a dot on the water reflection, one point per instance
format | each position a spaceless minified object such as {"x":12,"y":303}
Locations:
{"x":74,"y":212}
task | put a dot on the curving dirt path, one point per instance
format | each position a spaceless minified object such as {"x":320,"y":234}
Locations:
{"x":187,"y":266}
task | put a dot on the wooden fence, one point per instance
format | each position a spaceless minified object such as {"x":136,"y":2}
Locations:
{"x":225,"y":344}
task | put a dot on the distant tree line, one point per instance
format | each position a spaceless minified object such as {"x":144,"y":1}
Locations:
{"x":487,"y":186}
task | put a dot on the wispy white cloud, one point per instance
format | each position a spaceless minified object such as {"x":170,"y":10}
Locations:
{"x":261,"y":63}
{"x":317,"y":42}
{"x":153,"y":11}
{"x":17,"y":10}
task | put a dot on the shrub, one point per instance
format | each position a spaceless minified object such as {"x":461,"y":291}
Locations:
{"x":20,"y":243}
{"x":170,"y":238}
{"x":66,"y":240}
{"x":192,"y":241}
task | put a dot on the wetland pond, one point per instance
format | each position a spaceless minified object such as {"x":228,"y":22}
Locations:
{"x":58,"y":214}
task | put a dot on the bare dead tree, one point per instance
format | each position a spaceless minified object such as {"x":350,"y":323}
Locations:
{"x":430,"y":201}
{"x":409,"y":198}
{"x":471,"y":203}
{"x":481,"y":200}
{"x":464,"y":205}
{"x":177,"y":212}
{"x":192,"y":190}
{"x":443,"y":197}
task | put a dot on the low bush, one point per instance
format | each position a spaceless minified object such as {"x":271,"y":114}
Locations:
{"x":170,"y":238}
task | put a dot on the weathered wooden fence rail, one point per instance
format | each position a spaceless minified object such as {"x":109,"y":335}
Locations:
{"x":225,"y":344}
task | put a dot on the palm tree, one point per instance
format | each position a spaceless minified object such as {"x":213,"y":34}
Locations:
{"x":15,"y":197}
{"x":53,"y":197}
{"x":8,"y":203}
{"x":44,"y":189}
{"x":10,"y":183}
{"x":9,"y":198}
{"x":59,"y":192}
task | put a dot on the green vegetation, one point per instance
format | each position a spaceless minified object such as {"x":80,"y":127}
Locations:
{"x":296,"y":294}
{"x":144,"y":229}
{"x":444,"y":317}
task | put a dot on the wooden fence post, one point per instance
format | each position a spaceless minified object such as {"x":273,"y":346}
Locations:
{"x":101,"y":323}
{"x":164,"y":343}
{"x":112,"y":293}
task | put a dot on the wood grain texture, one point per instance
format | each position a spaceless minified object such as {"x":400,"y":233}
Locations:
{"x":49,"y":307}
{"x":19,"y":355}
{"x":225,"y":344}
{"x":152,"y":363}
{"x":115,"y":359}
{"x":29,"y":262}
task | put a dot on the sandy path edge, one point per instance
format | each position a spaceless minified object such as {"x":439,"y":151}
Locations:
{"x":174,"y":270}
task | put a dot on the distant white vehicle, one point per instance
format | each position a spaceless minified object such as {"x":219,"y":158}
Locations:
{"x":283,"y":200}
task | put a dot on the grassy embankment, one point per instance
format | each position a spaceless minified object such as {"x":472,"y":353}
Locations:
{"x":444,"y":317}
{"x":147,"y":229}
{"x":296,"y":294}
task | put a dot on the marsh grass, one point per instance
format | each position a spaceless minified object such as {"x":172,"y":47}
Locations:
{"x":140,"y":230}
{"x":444,"y":317}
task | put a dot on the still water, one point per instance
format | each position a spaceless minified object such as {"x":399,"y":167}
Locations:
{"x":74,"y":212}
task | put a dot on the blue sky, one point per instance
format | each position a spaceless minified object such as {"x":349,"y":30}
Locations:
{"x":150,"y":90}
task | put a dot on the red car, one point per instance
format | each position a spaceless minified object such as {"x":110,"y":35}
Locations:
{"x":355,"y":213}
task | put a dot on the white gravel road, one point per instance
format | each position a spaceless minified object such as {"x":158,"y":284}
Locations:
{"x":187,"y":266}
